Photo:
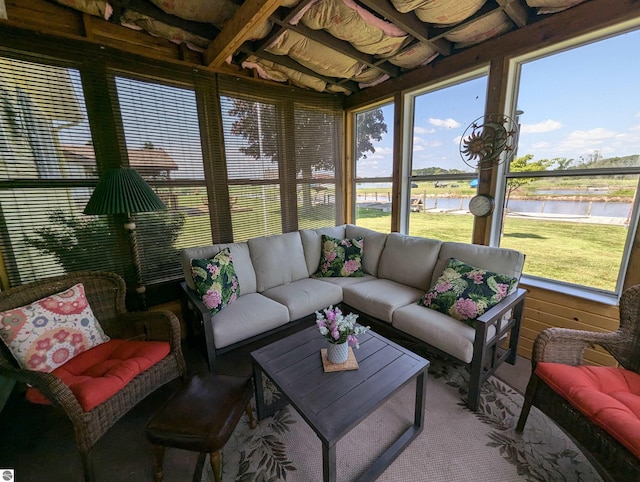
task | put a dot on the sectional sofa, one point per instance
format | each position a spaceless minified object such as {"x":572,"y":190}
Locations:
{"x":278,"y":286}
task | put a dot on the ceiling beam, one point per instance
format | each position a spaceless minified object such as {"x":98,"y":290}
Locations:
{"x":249,"y":15}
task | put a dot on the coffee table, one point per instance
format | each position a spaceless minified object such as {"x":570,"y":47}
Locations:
{"x":333,"y":403}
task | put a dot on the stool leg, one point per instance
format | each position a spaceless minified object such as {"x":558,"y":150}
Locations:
{"x":215,"y":465}
{"x":252,"y":420}
{"x":159,"y":474}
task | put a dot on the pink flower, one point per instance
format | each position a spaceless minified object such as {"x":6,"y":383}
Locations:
{"x":502,"y":291}
{"x":351,"y":266}
{"x":334,"y":332}
{"x":476,"y":276}
{"x":43,"y":344}
{"x":213,"y":269}
{"x":442,"y":287}
{"x":36,"y":360}
{"x":61,"y":335}
{"x":428,"y":298}
{"x":76,"y":338}
{"x":331,"y":255}
{"x":212,"y":299}
{"x":466,"y":309}
{"x":331,"y":315}
{"x":232,"y":298}
{"x":352,"y":340}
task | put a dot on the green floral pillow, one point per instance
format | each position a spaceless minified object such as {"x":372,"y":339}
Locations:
{"x":340,"y":257}
{"x":216,"y":280}
{"x":465,"y":292}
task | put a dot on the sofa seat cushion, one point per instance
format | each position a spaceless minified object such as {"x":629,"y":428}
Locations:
{"x":608,"y":396}
{"x":97,"y":374}
{"x":437,"y":329}
{"x":380,"y":297}
{"x":305,"y":296}
{"x":348,"y":281}
{"x":250,"y":315}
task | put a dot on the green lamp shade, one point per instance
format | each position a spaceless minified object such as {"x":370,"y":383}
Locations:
{"x":123,"y":191}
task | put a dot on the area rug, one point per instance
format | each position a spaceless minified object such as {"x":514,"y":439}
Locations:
{"x":455,"y":445}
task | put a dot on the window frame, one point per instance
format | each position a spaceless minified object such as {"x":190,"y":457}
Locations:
{"x":513,"y":82}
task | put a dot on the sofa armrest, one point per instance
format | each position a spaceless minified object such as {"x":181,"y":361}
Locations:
{"x":502,"y":308}
{"x":195,"y":312}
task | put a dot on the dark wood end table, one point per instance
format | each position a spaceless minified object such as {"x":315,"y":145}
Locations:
{"x":333,"y":403}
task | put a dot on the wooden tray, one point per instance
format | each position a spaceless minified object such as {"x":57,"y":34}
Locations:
{"x":350,"y":364}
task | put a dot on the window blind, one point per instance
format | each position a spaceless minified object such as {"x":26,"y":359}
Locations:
{"x":47,"y":170}
{"x":282,"y":148}
{"x":162,"y":136}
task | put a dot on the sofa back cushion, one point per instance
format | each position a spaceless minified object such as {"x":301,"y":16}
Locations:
{"x":241,"y":263}
{"x":409,"y":260}
{"x":374,"y":242}
{"x":499,"y":260}
{"x":277,"y":260}
{"x":312,"y":244}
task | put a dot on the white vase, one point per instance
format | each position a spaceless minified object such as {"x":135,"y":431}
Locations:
{"x":337,"y":352}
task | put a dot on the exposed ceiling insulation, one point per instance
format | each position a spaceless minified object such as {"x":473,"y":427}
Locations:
{"x":324,"y":45}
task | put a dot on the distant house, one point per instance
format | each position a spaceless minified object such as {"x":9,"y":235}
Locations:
{"x":149,"y":162}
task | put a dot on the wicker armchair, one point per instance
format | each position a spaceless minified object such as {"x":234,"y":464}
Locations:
{"x":105,"y":293}
{"x":557,"y":345}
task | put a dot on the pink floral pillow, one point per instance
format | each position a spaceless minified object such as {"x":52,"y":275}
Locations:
{"x":51,"y":331}
{"x":465,"y":292}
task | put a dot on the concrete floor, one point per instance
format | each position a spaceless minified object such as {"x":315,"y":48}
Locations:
{"x":38,"y":442}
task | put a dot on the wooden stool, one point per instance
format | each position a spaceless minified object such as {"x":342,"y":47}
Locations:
{"x":200,"y":417}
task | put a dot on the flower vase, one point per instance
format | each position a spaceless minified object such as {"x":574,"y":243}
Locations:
{"x":337,"y":352}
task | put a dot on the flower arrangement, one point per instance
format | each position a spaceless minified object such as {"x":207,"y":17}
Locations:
{"x":338,"y":328}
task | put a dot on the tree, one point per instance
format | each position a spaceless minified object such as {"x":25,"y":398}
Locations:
{"x":524,"y":164}
{"x":314,"y":136}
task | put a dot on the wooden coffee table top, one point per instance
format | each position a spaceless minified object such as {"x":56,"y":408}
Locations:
{"x":333,"y":403}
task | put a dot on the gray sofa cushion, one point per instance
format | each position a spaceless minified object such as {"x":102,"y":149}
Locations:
{"x":499,"y":260}
{"x":409,"y":260}
{"x":241,"y":263}
{"x":277,"y":260}
{"x":305,"y":296}
{"x":380,"y":297}
{"x":373,"y":245}
{"x":250,"y":315}
{"x":312,"y":244}
{"x":348,"y":280}
{"x":437,"y":329}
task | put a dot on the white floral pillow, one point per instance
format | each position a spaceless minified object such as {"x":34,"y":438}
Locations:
{"x":49,"y":332}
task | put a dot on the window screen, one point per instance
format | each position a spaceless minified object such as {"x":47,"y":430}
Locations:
{"x":163,"y":144}
{"x":282,"y":150}
{"x":47,"y":170}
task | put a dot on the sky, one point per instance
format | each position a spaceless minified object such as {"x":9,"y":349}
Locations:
{"x":574,"y":103}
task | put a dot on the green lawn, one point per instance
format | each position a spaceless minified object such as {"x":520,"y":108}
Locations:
{"x":584,"y":254}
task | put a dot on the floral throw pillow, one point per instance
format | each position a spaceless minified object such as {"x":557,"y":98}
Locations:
{"x":216,"y":281}
{"x":340,"y":257}
{"x":465,"y":292}
{"x":49,"y":332}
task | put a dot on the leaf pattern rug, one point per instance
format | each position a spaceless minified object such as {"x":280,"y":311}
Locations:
{"x":455,"y":445}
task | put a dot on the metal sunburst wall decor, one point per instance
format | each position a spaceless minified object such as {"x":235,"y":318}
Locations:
{"x":486,"y":139}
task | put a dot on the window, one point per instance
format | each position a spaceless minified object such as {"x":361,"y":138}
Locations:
{"x":441,"y":183}
{"x":163,"y":144}
{"x":373,"y":152}
{"x":282,"y":158}
{"x":47,"y":168}
{"x":570,"y":199}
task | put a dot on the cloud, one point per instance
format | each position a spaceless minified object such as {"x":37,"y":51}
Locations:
{"x":423,"y":130}
{"x":635,"y":128}
{"x":544,"y":126}
{"x":448,"y":123}
{"x":420,"y":141}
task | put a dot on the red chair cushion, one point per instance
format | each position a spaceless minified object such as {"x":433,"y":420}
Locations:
{"x":609,"y":396}
{"x":99,"y":373}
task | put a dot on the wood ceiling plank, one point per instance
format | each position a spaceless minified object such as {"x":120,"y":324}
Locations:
{"x":409,"y":23}
{"x":518,"y":10}
{"x":249,"y":15}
